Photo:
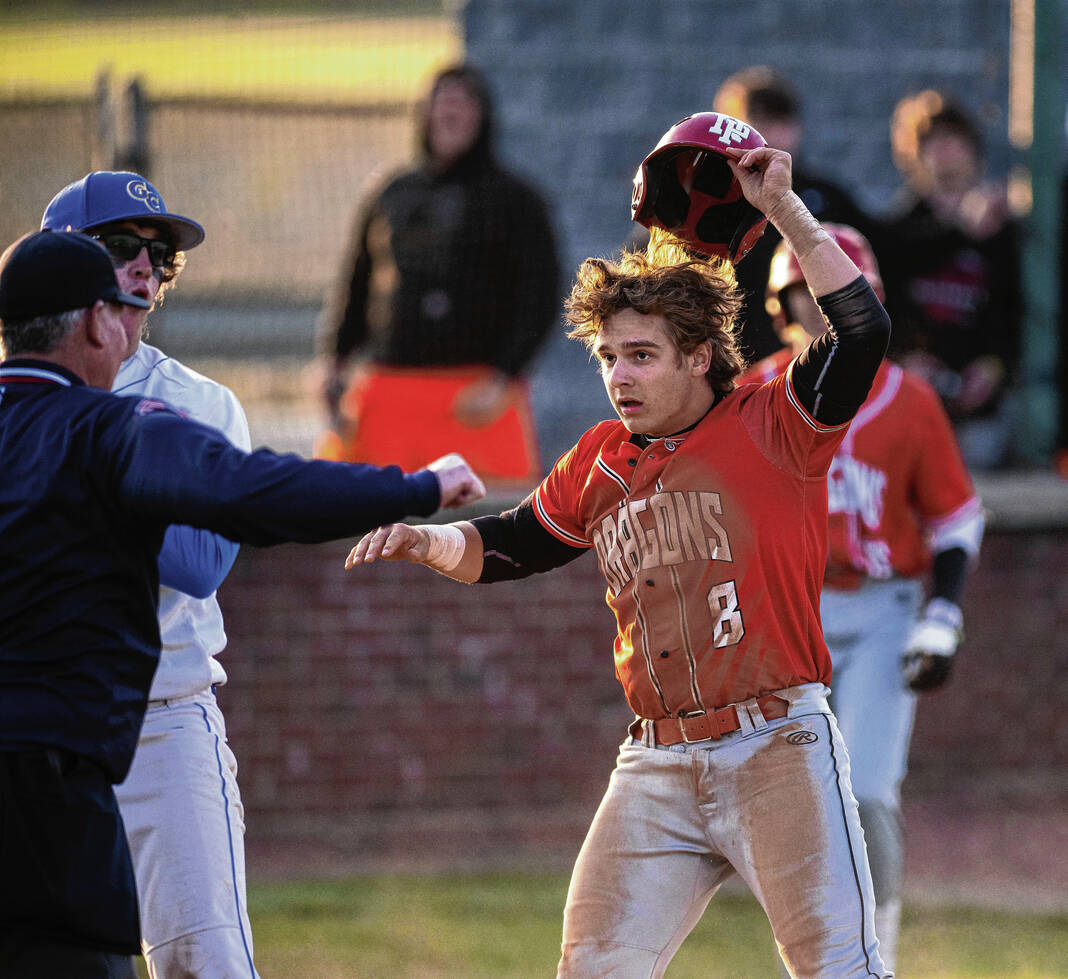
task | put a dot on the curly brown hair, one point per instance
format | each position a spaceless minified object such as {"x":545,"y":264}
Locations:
{"x":698,"y":298}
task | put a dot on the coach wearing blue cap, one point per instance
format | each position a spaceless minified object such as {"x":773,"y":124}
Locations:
{"x":89,"y":484}
{"x":180,"y":801}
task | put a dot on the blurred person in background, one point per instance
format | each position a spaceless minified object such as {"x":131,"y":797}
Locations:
{"x":180,"y":801}
{"x":951,"y":263}
{"x":451,"y":285}
{"x":768,"y":101}
{"x":901,"y":509}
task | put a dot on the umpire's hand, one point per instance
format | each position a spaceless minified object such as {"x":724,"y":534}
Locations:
{"x":459,"y":483}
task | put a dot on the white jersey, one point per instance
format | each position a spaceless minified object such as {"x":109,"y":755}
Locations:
{"x":191,"y":629}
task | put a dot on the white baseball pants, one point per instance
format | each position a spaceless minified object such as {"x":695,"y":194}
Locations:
{"x":771,"y":802}
{"x":185,"y":825}
{"x":866,"y":631}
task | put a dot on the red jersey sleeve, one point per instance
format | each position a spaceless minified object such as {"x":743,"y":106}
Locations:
{"x":789,"y":437}
{"x":942,"y":481}
{"x":561,"y":500}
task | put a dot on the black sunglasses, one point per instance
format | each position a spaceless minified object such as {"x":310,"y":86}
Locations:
{"x":126,"y":246}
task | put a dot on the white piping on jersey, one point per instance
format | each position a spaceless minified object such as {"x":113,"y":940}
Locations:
{"x":802,"y":411}
{"x":875,"y":407}
{"x":639,"y":616}
{"x":34,"y":372}
{"x":600,"y":464}
{"x":649,"y":666}
{"x":687,"y":645}
{"x":962,"y":528}
{"x":556,"y":528}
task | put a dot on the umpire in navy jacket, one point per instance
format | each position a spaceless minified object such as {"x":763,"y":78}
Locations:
{"x":89,"y":483}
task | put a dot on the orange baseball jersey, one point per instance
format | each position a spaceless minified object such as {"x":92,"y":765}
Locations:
{"x":898,"y":488}
{"x":713,"y":544}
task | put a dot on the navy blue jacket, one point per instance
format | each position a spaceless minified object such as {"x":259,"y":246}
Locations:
{"x":88,"y":484}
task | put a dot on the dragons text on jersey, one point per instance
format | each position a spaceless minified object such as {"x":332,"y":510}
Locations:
{"x":712,"y":544}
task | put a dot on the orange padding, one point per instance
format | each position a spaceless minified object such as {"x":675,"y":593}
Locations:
{"x":404,"y":417}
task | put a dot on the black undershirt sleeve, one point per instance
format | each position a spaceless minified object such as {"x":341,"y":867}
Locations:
{"x":516,"y":545}
{"x":833,"y":376}
{"x":948,"y":574}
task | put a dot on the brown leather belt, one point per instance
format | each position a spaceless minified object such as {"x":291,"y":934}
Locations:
{"x":704,"y":725}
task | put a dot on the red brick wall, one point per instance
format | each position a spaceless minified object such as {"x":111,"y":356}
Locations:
{"x":370,"y":707}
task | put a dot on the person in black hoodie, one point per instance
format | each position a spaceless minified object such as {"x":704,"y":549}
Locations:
{"x":449,"y":289}
{"x":951,"y":264}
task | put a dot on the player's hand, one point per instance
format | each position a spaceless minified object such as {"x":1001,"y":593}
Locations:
{"x":393,"y":542}
{"x":326,"y":379}
{"x":459,"y":483}
{"x":765,"y":175}
{"x":928,"y":657}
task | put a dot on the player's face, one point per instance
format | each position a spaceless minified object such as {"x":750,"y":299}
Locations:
{"x":137,"y":277}
{"x":454,"y":121}
{"x":951,"y":163}
{"x":655,"y":389}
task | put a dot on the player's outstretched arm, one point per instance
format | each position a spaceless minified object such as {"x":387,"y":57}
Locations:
{"x":454,"y":550}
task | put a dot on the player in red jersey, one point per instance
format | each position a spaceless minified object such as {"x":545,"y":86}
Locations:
{"x":901,"y":508}
{"x":706,"y":506}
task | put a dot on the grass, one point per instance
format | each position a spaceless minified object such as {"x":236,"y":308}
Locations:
{"x":323,"y":57}
{"x":508,"y":927}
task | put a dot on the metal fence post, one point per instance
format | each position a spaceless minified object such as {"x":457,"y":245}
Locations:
{"x":135,"y":152}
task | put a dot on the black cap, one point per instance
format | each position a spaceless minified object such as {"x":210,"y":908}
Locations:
{"x":55,"y":271}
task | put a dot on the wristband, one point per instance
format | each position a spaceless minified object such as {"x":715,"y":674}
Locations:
{"x":446,"y":546}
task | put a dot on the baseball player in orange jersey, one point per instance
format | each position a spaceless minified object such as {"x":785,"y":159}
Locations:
{"x":706,"y":506}
{"x":901,"y":506}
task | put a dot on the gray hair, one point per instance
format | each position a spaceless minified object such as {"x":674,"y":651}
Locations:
{"x":37,"y":334}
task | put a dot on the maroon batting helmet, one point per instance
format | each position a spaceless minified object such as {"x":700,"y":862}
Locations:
{"x":686,"y":187}
{"x":785,"y":270}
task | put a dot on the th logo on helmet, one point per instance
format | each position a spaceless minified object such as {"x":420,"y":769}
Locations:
{"x":729,"y":130}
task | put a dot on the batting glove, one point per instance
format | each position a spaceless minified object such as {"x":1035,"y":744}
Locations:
{"x":928,"y":656}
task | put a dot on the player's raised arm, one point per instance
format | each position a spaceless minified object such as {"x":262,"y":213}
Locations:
{"x":454,"y":550}
{"x":834,"y":375}
{"x":765,"y":175}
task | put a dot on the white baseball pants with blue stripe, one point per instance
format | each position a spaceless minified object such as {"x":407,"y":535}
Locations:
{"x":771,"y":802}
{"x":186,"y":829}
